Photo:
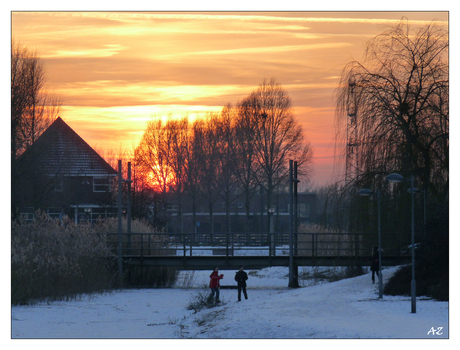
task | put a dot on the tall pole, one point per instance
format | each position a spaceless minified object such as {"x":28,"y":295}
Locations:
{"x":399,"y":178}
{"x":128,"y":213}
{"x":296,"y":223}
{"x":120,"y":266}
{"x":412,"y":285}
{"x":424,"y":213}
{"x":129,"y":198}
{"x":380,"y":248}
{"x":291,"y":228}
{"x":272,"y":250}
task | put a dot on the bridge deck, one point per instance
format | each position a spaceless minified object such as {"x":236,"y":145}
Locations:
{"x":253,"y":250}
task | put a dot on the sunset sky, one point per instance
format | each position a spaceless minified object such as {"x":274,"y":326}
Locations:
{"x":114,"y":71}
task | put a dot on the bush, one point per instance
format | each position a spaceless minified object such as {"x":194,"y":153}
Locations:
{"x":201,"y":300}
{"x":59,"y":260}
{"x":52,"y":259}
{"x":427,"y":283}
{"x":432,"y":261}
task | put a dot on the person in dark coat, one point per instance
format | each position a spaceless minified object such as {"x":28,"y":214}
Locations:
{"x":375,"y":263}
{"x":214,"y":284}
{"x":241,"y":276}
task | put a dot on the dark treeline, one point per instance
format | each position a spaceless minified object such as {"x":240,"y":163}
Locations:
{"x":393,"y":116}
{"x":243,"y":149}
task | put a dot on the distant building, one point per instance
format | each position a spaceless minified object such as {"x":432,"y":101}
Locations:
{"x":61,"y":174}
{"x":257,"y":220}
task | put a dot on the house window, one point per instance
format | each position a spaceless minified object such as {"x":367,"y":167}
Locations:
{"x":240,"y":205}
{"x":101,"y":184}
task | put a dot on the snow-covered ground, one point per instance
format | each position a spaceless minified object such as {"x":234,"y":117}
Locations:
{"x":349,"y":308}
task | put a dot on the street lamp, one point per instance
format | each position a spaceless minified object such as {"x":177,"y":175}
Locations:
{"x":398,"y":178}
{"x":366,"y":193}
{"x":293,"y":278}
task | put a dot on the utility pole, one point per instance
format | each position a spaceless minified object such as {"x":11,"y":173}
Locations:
{"x":293,"y":281}
{"x":120,"y":229}
{"x":120,"y":212}
{"x":128,"y":209}
{"x":296,"y":222}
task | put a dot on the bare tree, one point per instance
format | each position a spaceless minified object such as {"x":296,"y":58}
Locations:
{"x":400,"y":96}
{"x":241,"y":146}
{"x":192,"y":167}
{"x":246,"y":168}
{"x":278,"y":137}
{"x":179,"y":133}
{"x":207,"y":141}
{"x":225,"y":132}
{"x":153,"y":159}
{"x":33,"y":108}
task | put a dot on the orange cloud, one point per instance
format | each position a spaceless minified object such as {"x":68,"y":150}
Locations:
{"x":115,"y":70}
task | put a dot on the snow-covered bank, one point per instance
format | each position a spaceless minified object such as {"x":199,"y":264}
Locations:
{"x":345,"y":309}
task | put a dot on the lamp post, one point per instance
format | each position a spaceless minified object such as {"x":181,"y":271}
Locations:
{"x":293,"y":281}
{"x":272,"y":233}
{"x":416,"y":190}
{"x":398,"y":178}
{"x":366,"y":193}
{"x":120,"y":203}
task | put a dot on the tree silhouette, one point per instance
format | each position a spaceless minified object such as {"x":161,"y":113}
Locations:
{"x":33,"y":108}
{"x":400,"y":97}
{"x":278,"y":137}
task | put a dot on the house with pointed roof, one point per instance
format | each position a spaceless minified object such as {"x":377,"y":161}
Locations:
{"x":62,"y":175}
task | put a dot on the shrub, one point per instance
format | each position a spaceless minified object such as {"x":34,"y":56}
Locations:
{"x":428,"y":282}
{"x":52,"y":259}
{"x":59,"y":260}
{"x":432,"y":261}
{"x":201,"y":300}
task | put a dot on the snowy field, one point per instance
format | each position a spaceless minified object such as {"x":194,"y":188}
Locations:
{"x":349,"y":308}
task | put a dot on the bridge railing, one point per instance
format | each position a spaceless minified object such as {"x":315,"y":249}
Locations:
{"x":255,"y":244}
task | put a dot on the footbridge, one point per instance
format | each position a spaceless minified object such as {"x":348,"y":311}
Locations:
{"x":203,"y":251}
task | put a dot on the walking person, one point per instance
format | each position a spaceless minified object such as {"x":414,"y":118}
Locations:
{"x":375,"y":263}
{"x":214,"y":284}
{"x":241,"y":276}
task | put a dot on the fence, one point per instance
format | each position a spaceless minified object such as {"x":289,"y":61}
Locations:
{"x":256,"y":244}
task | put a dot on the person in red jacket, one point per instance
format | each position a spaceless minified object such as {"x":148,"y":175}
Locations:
{"x":214,"y":284}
